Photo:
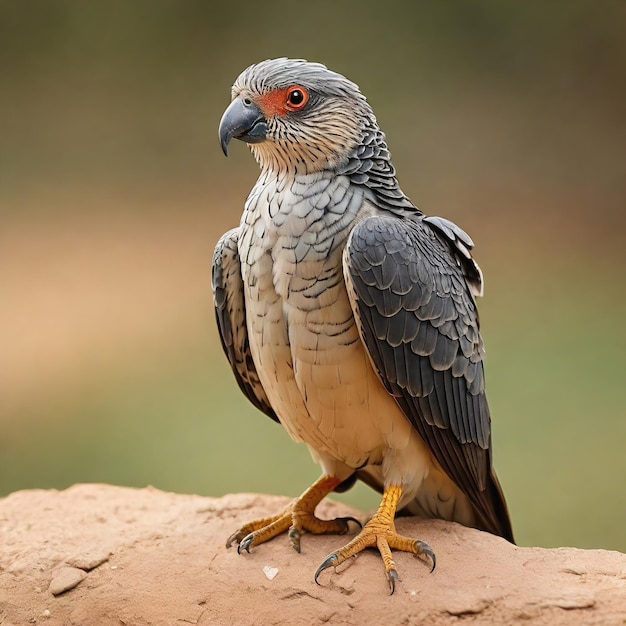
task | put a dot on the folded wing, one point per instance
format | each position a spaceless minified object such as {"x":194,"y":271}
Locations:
{"x":230,"y":312}
{"x":412,"y":284}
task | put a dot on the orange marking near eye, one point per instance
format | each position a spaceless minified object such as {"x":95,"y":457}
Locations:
{"x":276,"y":102}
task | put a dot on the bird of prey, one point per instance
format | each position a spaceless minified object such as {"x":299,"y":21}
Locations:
{"x":349,"y":316}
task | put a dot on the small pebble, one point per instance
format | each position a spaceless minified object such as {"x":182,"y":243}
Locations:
{"x":270,"y":571}
{"x":570,"y":601}
{"x":89,"y":560}
{"x":64,"y":579}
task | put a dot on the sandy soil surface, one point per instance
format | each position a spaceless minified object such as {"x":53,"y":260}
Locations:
{"x":105,"y":555}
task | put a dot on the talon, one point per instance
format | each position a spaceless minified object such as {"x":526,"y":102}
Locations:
{"x":329,"y":561}
{"x":245,"y":544}
{"x":392,"y":576}
{"x":294,"y":538}
{"x":424,"y":548}
{"x":295,"y":519}
{"x":347,"y":520}
{"x":232,"y":539}
{"x":380,"y":533}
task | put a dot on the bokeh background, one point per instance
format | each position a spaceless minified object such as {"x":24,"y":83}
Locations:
{"x":508,"y":118}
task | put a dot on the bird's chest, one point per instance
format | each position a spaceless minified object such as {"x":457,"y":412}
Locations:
{"x":302,"y":332}
{"x":292,"y":236}
{"x":291,"y":246}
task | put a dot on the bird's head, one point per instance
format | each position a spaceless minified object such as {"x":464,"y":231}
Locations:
{"x":296,"y":115}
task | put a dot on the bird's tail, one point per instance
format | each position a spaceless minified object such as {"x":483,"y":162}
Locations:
{"x":496,"y":519}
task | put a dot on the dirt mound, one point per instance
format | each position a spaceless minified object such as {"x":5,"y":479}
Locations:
{"x":104,"y":555}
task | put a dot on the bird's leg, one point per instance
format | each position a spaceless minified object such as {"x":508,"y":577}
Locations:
{"x":380,"y":532}
{"x":297,"y":517}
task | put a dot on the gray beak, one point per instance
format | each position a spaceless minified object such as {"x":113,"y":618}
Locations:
{"x":242,"y":120}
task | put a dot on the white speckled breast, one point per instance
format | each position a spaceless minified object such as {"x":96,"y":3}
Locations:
{"x":303,"y":336}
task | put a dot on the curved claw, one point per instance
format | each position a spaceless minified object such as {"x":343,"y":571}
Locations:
{"x":329,"y":561}
{"x":425,"y":549}
{"x":245,"y":544}
{"x":294,"y":538}
{"x":234,"y":538}
{"x":392,"y":576}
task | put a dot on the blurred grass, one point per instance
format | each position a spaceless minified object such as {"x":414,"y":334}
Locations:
{"x":507,"y":118}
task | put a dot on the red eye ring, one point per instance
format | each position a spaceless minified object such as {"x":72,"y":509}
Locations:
{"x":296,"y":98}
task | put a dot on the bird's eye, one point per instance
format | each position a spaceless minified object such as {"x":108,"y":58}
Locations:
{"x":296,"y":98}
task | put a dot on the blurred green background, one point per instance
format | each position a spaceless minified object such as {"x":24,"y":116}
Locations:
{"x":508,"y":118}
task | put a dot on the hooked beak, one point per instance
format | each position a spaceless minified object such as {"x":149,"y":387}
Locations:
{"x":242,"y":120}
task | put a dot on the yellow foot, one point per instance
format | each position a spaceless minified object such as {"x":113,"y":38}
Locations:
{"x":380,"y":532}
{"x":297,"y":518}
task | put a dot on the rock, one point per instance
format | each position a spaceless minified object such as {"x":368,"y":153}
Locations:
{"x":146,"y":557}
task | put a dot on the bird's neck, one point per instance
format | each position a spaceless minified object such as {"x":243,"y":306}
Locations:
{"x":369,"y":165}
{"x":278,"y":161}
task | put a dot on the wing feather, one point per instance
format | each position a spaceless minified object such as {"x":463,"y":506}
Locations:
{"x":412,"y":284}
{"x":230,"y":312}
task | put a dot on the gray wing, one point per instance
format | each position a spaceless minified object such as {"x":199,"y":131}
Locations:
{"x":412,"y":284}
{"x":230,"y":312}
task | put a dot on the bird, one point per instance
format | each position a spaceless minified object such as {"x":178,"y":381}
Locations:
{"x":349,"y":316}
